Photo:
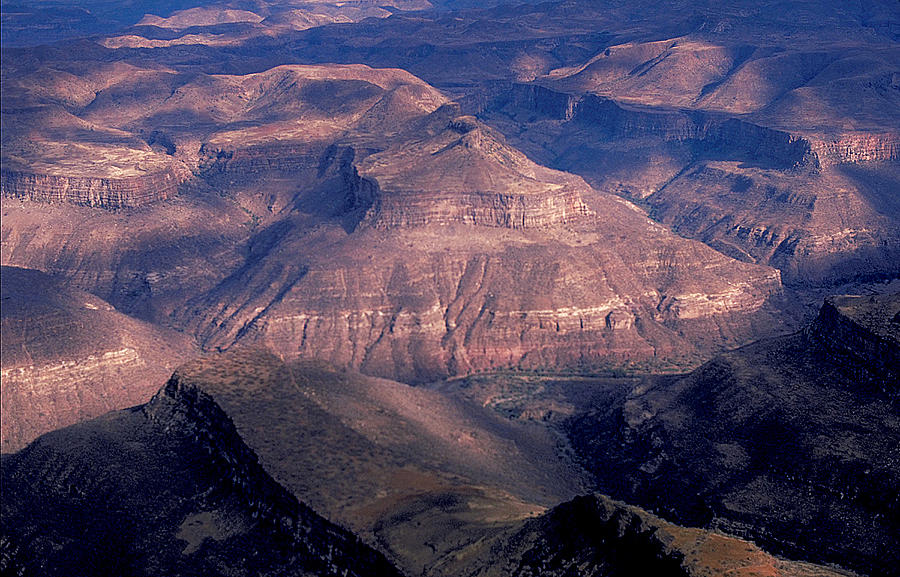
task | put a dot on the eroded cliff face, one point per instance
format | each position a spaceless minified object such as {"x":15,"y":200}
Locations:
{"x":710,"y":131}
{"x":794,"y":223}
{"x":706,"y":131}
{"x":408,"y":209}
{"x":857,"y":147}
{"x":458,"y":171}
{"x":351,"y":214}
{"x":101,"y":192}
{"x":68,"y":356}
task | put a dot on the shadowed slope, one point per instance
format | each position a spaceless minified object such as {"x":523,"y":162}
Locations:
{"x":166,"y":488}
{"x":791,"y":442}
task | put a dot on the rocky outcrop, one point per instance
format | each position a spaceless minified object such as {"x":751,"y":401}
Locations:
{"x":590,"y":536}
{"x":102,"y":192}
{"x":509,"y":210}
{"x":857,"y":147}
{"x":218,"y":162}
{"x":593,"y":535}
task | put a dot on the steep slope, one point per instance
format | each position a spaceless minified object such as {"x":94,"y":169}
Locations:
{"x":169,"y":488}
{"x":68,"y":356}
{"x":791,"y":442}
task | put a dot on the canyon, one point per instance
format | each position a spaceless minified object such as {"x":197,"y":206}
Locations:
{"x":377,"y":183}
{"x":446,"y":288}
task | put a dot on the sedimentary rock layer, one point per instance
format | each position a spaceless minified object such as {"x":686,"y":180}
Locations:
{"x":68,"y":356}
{"x":100,"y":192}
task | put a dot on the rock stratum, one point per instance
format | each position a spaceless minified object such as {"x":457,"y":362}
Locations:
{"x":789,"y":442}
{"x":68,"y":356}
{"x":111,"y":193}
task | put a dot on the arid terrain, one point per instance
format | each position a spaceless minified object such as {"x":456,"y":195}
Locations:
{"x":450,"y":288}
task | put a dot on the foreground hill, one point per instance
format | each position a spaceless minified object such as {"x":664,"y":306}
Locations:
{"x":791,"y":442}
{"x":68,"y":356}
{"x":420,"y":474}
{"x":169,"y":488}
{"x":212,"y":475}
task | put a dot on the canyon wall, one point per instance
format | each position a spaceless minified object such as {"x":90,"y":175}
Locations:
{"x":712,"y":132}
{"x":102,"y":192}
{"x":857,"y":147}
{"x":237,"y":162}
{"x":519,"y":211}
{"x":443,"y":315}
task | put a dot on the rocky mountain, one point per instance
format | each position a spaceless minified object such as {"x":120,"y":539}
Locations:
{"x":68,"y":356}
{"x":449,"y":215}
{"x":414,"y":472}
{"x":790,"y":442}
{"x":382,"y":230}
